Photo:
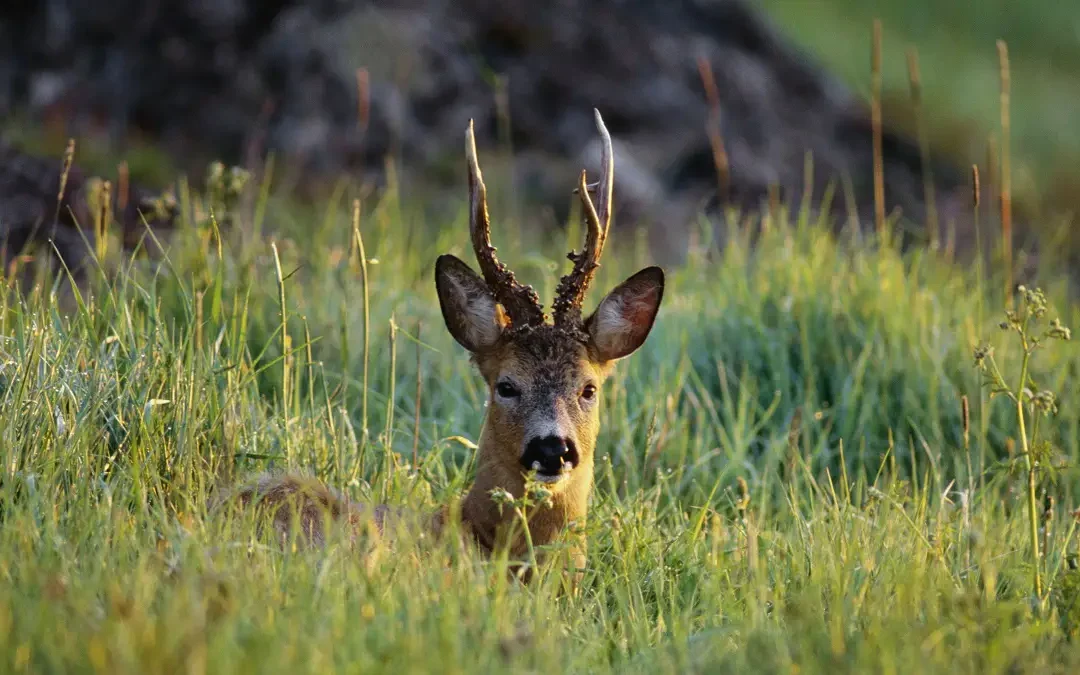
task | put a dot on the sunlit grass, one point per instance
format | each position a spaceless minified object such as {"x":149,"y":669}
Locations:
{"x":825,"y":374}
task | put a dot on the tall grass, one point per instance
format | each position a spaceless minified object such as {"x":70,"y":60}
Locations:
{"x":785,"y":472}
{"x":961,"y":74}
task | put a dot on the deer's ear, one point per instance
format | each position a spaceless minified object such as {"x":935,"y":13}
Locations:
{"x":624,"y":318}
{"x":471,"y":314}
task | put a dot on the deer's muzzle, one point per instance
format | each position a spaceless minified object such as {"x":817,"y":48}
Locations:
{"x":551,"y":457}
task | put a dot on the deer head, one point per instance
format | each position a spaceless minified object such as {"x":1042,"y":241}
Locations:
{"x":543,"y":378}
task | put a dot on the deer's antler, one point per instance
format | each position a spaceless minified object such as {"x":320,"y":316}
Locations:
{"x":571,"y":290}
{"x":521,"y":302}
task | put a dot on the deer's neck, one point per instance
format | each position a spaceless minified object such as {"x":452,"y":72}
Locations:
{"x":546,"y":524}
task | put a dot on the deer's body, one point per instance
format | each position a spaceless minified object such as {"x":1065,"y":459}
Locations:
{"x":543,"y":380}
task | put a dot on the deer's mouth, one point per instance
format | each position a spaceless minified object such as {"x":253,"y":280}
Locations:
{"x":543,"y":475}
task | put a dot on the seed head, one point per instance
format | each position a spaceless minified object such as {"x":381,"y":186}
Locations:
{"x":540,"y":495}
{"x":744,"y":494}
{"x":965,"y":412}
{"x":501,"y":498}
{"x":1045,"y":402}
{"x":1057,"y":331}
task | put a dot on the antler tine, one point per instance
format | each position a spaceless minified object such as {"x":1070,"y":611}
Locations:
{"x":605,"y":187}
{"x":521,"y":302}
{"x":572,"y":287}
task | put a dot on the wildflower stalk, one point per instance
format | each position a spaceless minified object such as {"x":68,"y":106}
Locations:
{"x":534,"y":496}
{"x":1033,"y":307}
{"x":1033,"y":518}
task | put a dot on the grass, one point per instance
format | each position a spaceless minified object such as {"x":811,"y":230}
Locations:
{"x":956,"y":46}
{"x":783,"y":481}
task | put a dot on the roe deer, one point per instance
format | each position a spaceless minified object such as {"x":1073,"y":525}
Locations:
{"x":543,"y":380}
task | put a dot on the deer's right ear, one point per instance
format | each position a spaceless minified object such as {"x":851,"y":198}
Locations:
{"x":624,"y":318}
{"x":469,"y":309}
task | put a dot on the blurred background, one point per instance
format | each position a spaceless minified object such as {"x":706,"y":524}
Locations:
{"x":711,"y":102}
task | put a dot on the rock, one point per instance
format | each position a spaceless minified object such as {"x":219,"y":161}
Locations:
{"x":219,"y":76}
{"x":30,"y":215}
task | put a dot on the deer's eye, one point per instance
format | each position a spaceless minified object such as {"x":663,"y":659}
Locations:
{"x":507,"y":390}
{"x":589,"y":392}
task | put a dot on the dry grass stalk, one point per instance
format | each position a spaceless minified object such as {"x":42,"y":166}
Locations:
{"x":975,"y":185}
{"x":1006,"y":172}
{"x":875,"y":120}
{"x":712,"y":128}
{"x":69,"y":159}
{"x":102,"y":219}
{"x":363,"y":99}
{"x":123,"y":181}
{"x":915,"y":81}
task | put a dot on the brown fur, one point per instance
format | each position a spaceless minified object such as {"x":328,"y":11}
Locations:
{"x":543,"y":383}
{"x":551,"y":368}
{"x":292,"y":501}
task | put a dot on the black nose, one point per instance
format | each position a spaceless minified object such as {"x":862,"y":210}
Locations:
{"x":548,"y":454}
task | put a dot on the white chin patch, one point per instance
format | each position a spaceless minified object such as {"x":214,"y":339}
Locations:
{"x":567,"y":467}
{"x":550,"y":480}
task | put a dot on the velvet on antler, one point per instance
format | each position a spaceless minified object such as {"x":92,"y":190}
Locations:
{"x":571,"y":290}
{"x":521,"y":302}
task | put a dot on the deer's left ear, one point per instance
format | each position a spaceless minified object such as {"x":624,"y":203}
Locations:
{"x":624,"y":318}
{"x":471,"y":314}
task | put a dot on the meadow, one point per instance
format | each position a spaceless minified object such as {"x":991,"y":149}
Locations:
{"x":815,"y":464}
{"x":788,"y":479}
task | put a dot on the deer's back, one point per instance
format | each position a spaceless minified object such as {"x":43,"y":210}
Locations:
{"x":306,"y":506}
